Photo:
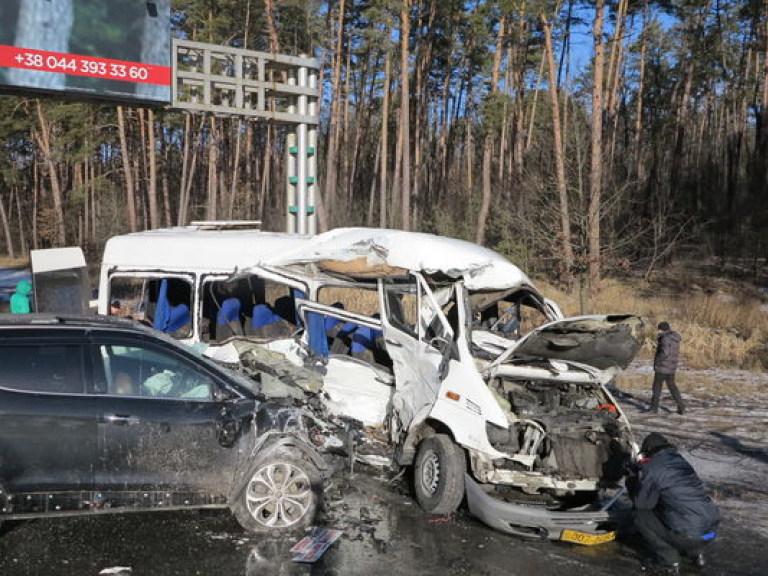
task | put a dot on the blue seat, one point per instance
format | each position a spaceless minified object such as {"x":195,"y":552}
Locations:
{"x":364,"y":339}
{"x":228,"y":319}
{"x":263,"y":316}
{"x":229,"y":312}
{"x":179,"y":318}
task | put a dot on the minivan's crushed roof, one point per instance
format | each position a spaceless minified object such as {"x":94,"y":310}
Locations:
{"x":377,"y":252}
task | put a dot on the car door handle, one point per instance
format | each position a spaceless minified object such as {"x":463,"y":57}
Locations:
{"x":393,"y":343}
{"x":121,"y":419}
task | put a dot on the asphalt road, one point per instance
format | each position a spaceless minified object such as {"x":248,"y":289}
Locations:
{"x":384,"y":533}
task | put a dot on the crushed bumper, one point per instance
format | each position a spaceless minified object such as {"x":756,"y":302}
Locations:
{"x":533,"y":521}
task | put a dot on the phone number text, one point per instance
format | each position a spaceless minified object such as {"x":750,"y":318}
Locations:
{"x":76,"y":65}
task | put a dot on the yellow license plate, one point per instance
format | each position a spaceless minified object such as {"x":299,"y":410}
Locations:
{"x":586,"y":538}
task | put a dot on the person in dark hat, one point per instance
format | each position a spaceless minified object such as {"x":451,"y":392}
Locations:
{"x":665,"y":367}
{"x":672,"y":511}
{"x":115,"y":308}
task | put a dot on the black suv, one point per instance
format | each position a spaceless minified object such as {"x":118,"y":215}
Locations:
{"x":101,"y":414}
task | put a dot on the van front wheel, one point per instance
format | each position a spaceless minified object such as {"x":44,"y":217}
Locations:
{"x":438,"y":475}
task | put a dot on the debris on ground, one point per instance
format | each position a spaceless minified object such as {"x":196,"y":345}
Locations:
{"x":117,"y":571}
{"x":312,"y":547}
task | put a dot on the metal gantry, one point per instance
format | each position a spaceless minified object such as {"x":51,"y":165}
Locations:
{"x":226,"y":81}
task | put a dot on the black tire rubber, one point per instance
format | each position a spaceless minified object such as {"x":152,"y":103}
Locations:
{"x":438,"y":474}
{"x":280,"y":493}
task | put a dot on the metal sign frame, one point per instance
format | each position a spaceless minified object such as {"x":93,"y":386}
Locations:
{"x":260,"y":86}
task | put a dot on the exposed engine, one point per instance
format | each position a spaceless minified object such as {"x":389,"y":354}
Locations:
{"x":566,"y":430}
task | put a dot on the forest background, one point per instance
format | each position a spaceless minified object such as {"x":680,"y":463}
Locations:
{"x":582,"y":139}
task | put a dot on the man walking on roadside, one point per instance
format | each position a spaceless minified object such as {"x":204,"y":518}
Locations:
{"x":665,"y":366}
{"x":672,"y":511}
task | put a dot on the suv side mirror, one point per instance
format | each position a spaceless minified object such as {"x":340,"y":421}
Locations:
{"x":222,"y":394}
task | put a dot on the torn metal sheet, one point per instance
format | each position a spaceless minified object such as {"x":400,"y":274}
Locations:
{"x":255,"y":357}
{"x":378,"y":253}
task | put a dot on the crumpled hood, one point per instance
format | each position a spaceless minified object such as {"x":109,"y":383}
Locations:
{"x":600,"y":341}
{"x":378,"y":252}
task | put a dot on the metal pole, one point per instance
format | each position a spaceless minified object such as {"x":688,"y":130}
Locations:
{"x":291,"y":176}
{"x":301,"y":157}
{"x":312,"y":160}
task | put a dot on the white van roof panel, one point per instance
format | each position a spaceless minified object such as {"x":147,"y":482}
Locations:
{"x":376,"y":251}
{"x":189,"y":248}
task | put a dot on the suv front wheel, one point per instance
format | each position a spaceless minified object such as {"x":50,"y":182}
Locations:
{"x":280,"y":493}
{"x":438,"y":474}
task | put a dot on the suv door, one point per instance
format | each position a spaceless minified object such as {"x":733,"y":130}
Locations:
{"x":48,"y":430}
{"x":161,"y":417}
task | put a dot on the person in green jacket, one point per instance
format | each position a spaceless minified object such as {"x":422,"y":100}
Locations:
{"x":20,"y":299}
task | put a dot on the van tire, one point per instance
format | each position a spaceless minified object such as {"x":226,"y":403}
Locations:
{"x":280,"y":493}
{"x":438,"y":474}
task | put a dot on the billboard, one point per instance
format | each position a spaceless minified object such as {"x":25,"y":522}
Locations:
{"x":118,"y":49}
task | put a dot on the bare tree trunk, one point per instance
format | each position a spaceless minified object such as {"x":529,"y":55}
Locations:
{"x":78,"y":183}
{"x":154,"y":216}
{"x":372,"y":195}
{"x":7,"y":228}
{"x":557,"y":139}
{"x":639,"y":165}
{"x":95,"y":206}
{"x":45,"y":144}
{"x":405,"y":149}
{"x":384,"y":157}
{"x":235,"y":172}
{"x":482,"y":218}
{"x":596,"y":159}
{"x":35,"y":206}
{"x":331,"y":160}
{"x":265,"y":173}
{"x":213,"y":182}
{"x":269,"y":10}
{"x":166,"y":199}
{"x":86,"y":202}
{"x":127,"y":172}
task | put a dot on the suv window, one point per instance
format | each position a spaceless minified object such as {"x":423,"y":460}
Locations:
{"x":42,"y":367}
{"x":142,"y":371}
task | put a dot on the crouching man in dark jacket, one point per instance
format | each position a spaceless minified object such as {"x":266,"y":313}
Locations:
{"x":673,"y":513}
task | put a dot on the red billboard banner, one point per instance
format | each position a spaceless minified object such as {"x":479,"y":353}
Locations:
{"x":77,"y":65}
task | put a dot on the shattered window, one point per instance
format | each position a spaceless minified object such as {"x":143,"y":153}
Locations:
{"x":247,"y":304}
{"x":136,"y":371}
{"x":402,"y":306}
{"x":361,"y":300}
{"x":165,"y":303}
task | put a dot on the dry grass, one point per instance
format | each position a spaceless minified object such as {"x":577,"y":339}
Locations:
{"x":6,"y":262}
{"x":718,"y":328}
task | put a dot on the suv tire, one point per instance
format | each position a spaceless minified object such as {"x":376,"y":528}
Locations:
{"x":280,"y":493}
{"x":438,"y":474}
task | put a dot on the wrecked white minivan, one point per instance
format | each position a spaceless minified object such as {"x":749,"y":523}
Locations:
{"x":422,"y":339}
